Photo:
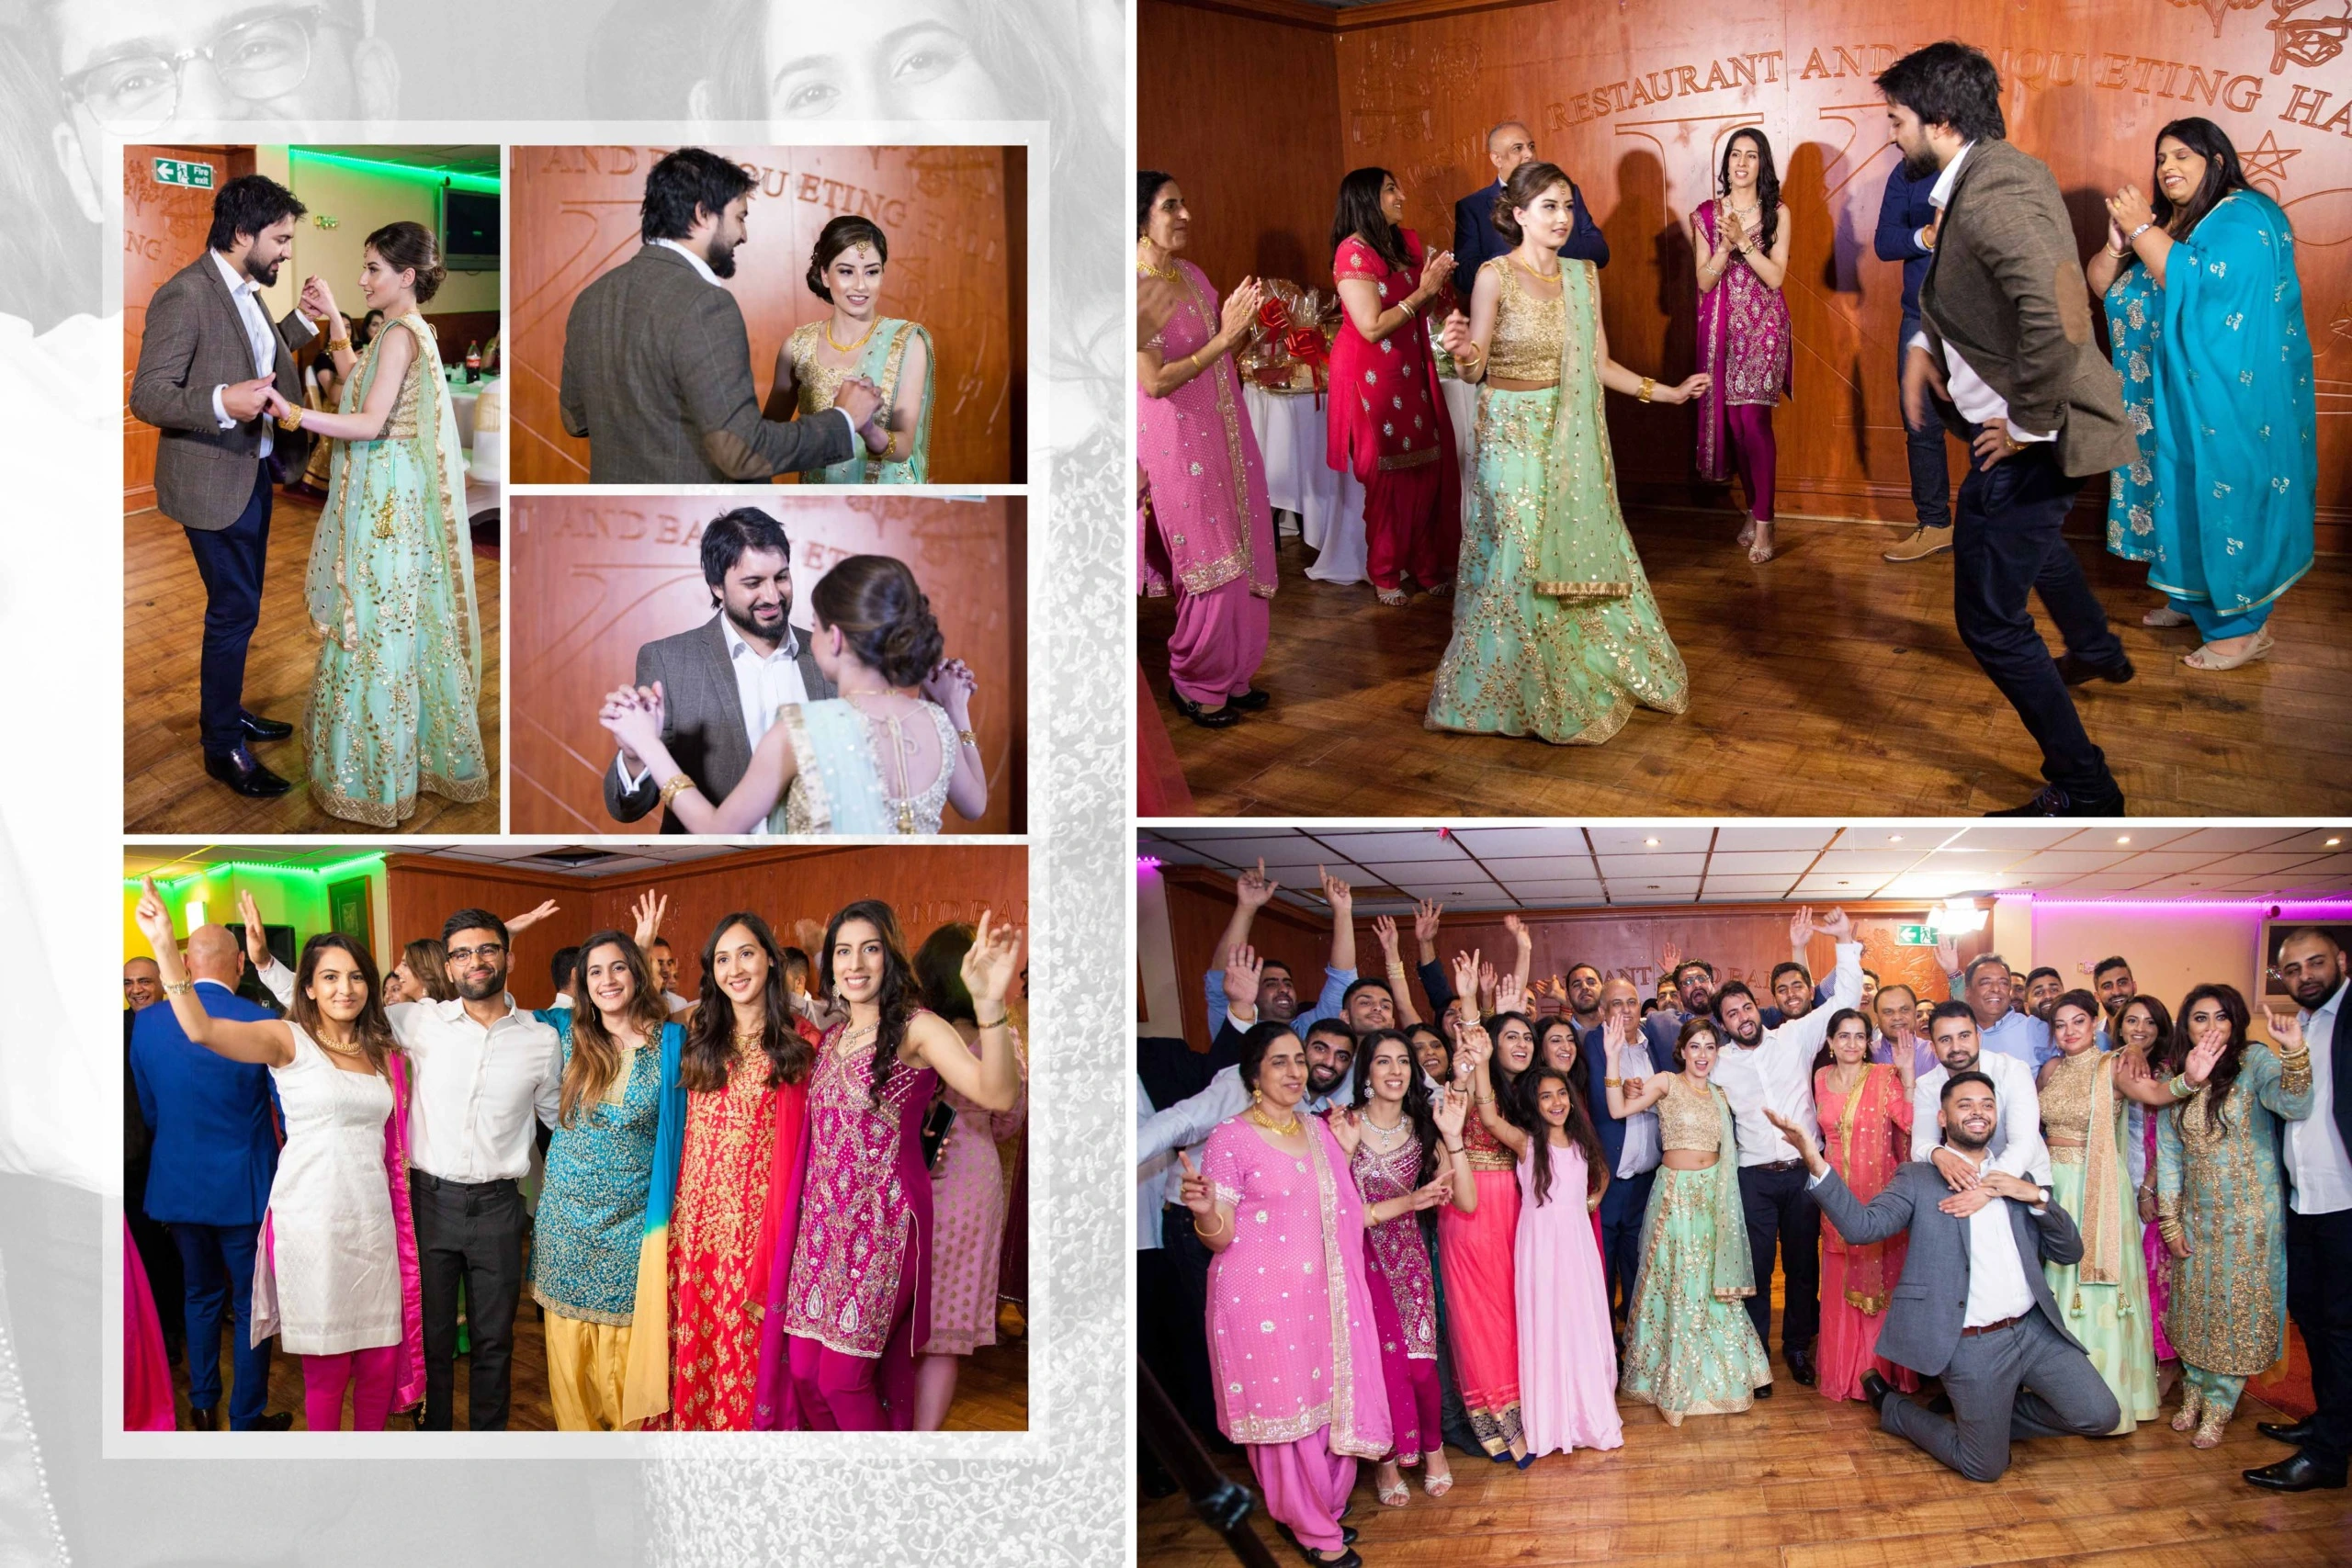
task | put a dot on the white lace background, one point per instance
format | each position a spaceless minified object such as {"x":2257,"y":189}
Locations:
{"x":1059,"y":1494}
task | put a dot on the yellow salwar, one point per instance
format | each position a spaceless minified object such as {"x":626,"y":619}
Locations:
{"x":587,"y":1363}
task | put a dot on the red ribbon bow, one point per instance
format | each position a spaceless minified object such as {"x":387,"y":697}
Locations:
{"x":1274,"y":315}
{"x":1306,"y":346}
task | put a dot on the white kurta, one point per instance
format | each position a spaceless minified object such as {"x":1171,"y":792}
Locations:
{"x":334,"y":1251}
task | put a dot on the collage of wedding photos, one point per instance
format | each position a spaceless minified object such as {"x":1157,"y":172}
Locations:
{"x":1726,"y":852}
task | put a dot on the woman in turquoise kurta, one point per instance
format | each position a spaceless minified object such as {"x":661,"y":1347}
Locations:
{"x":391,"y":587}
{"x":2220,"y":1202}
{"x":1555,"y":633}
{"x":855,"y":340}
{"x":2205,"y":314}
{"x":590,"y":1221}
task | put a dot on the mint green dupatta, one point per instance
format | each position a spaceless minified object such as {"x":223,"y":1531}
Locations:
{"x":883,"y":362}
{"x":838,"y":788}
{"x":1583,"y":552}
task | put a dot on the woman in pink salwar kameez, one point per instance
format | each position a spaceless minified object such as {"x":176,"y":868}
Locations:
{"x":1205,"y":529}
{"x":1292,"y":1343}
{"x":1865,"y":1109}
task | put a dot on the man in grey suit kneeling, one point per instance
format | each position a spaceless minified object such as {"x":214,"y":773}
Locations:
{"x":1973,"y":1307}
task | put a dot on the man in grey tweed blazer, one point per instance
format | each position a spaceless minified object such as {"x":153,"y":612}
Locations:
{"x":209,"y":354}
{"x":657,"y":363}
{"x":2005,"y":352}
{"x":1974,"y":1307}
{"x":723,"y":682}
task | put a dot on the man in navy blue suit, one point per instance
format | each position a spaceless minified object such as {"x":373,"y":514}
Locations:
{"x":1476,"y":241}
{"x":1906,"y":232}
{"x":1628,"y":1197}
{"x":213,"y":1156}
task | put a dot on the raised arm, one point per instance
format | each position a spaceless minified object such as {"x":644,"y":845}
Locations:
{"x":1803,"y":1036}
{"x":1393,"y":965}
{"x":1523,"y":940}
{"x":950,"y":686}
{"x":1375,"y":318}
{"x":993,"y":1080}
{"x":635,"y":720}
{"x":1158,"y":378}
{"x":1448,"y":1109}
{"x":1889,"y":1215}
{"x":1654,"y":1085}
{"x":267,"y":1042}
{"x":1343,"y":919}
{"x":1490,"y":1111}
{"x":1186,"y":1122}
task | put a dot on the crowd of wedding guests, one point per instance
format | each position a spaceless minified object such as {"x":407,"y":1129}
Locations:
{"x":2206,"y":333}
{"x":777,"y":1205}
{"x":2063,"y":1203}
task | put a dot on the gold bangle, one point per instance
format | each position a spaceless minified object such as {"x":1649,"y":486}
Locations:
{"x":177,"y":987}
{"x":339,"y":346}
{"x":968,"y":739}
{"x":996,"y":1022}
{"x":292,"y":421}
{"x":1648,"y":386}
{"x":1612,"y":1083}
{"x":675,"y":787}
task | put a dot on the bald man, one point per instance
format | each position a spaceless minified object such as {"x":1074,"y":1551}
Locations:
{"x":1629,"y":1144}
{"x":213,"y":1156}
{"x":1476,"y":240}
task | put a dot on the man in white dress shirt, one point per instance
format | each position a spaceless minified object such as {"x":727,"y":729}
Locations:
{"x":2319,"y":1216}
{"x":483,"y":1070}
{"x":723,"y":682}
{"x":2015,"y":1144}
{"x":1974,"y":1306}
{"x":2005,"y":354}
{"x":1762,"y":1070}
{"x":665,"y":968}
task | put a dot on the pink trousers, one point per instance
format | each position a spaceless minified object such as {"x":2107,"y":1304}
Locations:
{"x":368,"y":1373}
{"x":1218,"y":643}
{"x":841,"y":1393}
{"x":1306,"y":1486}
{"x":1753,"y":454}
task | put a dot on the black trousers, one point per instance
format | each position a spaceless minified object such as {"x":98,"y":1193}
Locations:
{"x":1622,"y":1209}
{"x":2319,"y":1297}
{"x":1781,"y":1210}
{"x":1197,"y":1396}
{"x":230,"y":561}
{"x":469,"y":1233}
{"x":2007,"y":547}
{"x":1924,"y":450}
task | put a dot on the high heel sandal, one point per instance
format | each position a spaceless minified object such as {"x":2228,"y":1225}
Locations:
{"x":1393,"y":1498}
{"x":1434,"y":1485}
{"x":2192,"y":1399}
{"x":2204,"y":658}
{"x":1760,"y":549}
{"x":2163,"y":616}
{"x":1391,"y":597}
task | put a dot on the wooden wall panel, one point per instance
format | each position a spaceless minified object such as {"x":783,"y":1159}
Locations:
{"x":1246,"y":115}
{"x":1742,"y":941}
{"x":163,"y":230}
{"x":926,"y":885}
{"x":596,"y":576}
{"x":574,"y":215}
{"x":1636,"y":103}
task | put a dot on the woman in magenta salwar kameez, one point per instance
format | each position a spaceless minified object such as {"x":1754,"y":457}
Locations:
{"x":1292,"y":1341}
{"x":1865,"y":1110}
{"x":1205,"y":528}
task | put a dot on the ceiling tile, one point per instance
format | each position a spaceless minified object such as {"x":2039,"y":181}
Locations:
{"x":2014,"y":837}
{"x":1749,"y":885}
{"x":2067,"y":863}
{"x":1615,"y":838}
{"x":2316,"y":839}
{"x":1761,"y":862}
{"x":1865,"y":862}
{"x":1657,"y":862}
{"x":2264,"y":862}
{"x":1740,"y":837}
{"x":1578,"y":888}
{"x":1511,"y":842}
{"x":2234,"y":837}
{"x":1420,"y":844}
{"x":1616,"y":897}
{"x":1688,"y":887}
{"x":2157,"y":862}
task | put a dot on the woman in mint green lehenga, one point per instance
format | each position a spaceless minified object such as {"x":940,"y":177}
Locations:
{"x":391,"y":587}
{"x":1555,"y":633}
{"x":845,"y":271}
{"x":879,"y":758}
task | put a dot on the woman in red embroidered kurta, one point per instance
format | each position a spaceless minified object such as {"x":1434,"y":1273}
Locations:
{"x":1387,"y":421}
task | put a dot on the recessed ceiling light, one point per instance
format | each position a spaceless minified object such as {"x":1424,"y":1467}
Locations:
{"x":1894,"y":838}
{"x":1651,"y":842}
{"x":2124,"y":839}
{"x":2332,"y":843}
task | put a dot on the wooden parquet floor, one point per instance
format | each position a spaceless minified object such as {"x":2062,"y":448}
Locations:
{"x":164,"y":786}
{"x":1827,"y":683}
{"x":1800,"y":1482}
{"x":991,"y":1393}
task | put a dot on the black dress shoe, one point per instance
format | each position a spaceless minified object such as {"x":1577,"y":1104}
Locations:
{"x":204,"y":1419}
{"x":1764,"y":1392}
{"x":2299,"y":1473}
{"x":2052,"y":801}
{"x":2074,"y":669}
{"x":1801,"y":1366}
{"x":1250,"y":701}
{"x":1875,"y":1389}
{"x":257,"y":728}
{"x":278,"y":1421}
{"x":1225,"y":717}
{"x":2296,"y":1434}
{"x":238,"y":770}
{"x":1347,"y":1558}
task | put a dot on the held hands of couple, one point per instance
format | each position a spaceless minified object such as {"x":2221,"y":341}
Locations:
{"x":950,"y":684}
{"x":632,"y":715}
{"x":858,"y":397}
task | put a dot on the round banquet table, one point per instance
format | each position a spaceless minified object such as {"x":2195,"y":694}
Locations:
{"x":1292,"y":438}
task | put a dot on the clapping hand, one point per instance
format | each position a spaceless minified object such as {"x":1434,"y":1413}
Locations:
{"x":1734,"y":232}
{"x":991,"y":962}
{"x":950,"y":684}
{"x":1436,"y":274}
{"x":1239,"y":312}
{"x":2129,"y":209}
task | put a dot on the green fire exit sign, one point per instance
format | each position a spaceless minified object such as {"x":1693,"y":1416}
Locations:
{"x":183,"y":172}
{"x":1915,"y":936}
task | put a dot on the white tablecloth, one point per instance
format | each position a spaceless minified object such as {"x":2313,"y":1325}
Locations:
{"x":1292,"y":435}
{"x":463,"y":396}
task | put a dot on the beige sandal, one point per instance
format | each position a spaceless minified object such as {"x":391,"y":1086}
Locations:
{"x":2163,"y":616}
{"x":2206,"y":659}
{"x":1394,"y":1497}
{"x":1760,"y":549}
{"x":1391,"y":597}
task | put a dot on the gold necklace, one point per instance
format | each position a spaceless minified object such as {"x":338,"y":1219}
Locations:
{"x":1258,"y":1115}
{"x":850,"y":347}
{"x":326,"y":1044}
{"x":1166,"y":274}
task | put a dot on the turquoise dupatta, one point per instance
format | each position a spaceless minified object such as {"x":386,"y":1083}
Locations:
{"x":645,"y":1383}
{"x":839,"y":784}
{"x":2236,"y":430}
{"x":881,"y":363}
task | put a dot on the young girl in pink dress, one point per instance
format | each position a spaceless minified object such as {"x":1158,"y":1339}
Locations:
{"x":1568,"y":1359}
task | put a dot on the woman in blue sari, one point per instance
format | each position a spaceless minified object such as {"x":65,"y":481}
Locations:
{"x":885,"y":756}
{"x":393,"y":703}
{"x":845,"y":271}
{"x":2205,"y":316}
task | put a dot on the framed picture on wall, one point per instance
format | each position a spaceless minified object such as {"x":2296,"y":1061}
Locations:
{"x":2273,"y":933}
{"x":351,"y":912}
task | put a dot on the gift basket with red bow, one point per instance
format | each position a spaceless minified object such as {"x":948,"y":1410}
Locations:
{"x":1290,"y":349}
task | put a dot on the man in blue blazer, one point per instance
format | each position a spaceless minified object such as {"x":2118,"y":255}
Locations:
{"x":1476,"y":241}
{"x":213,"y":1157}
{"x":1906,"y":232}
{"x":1628,"y":1197}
